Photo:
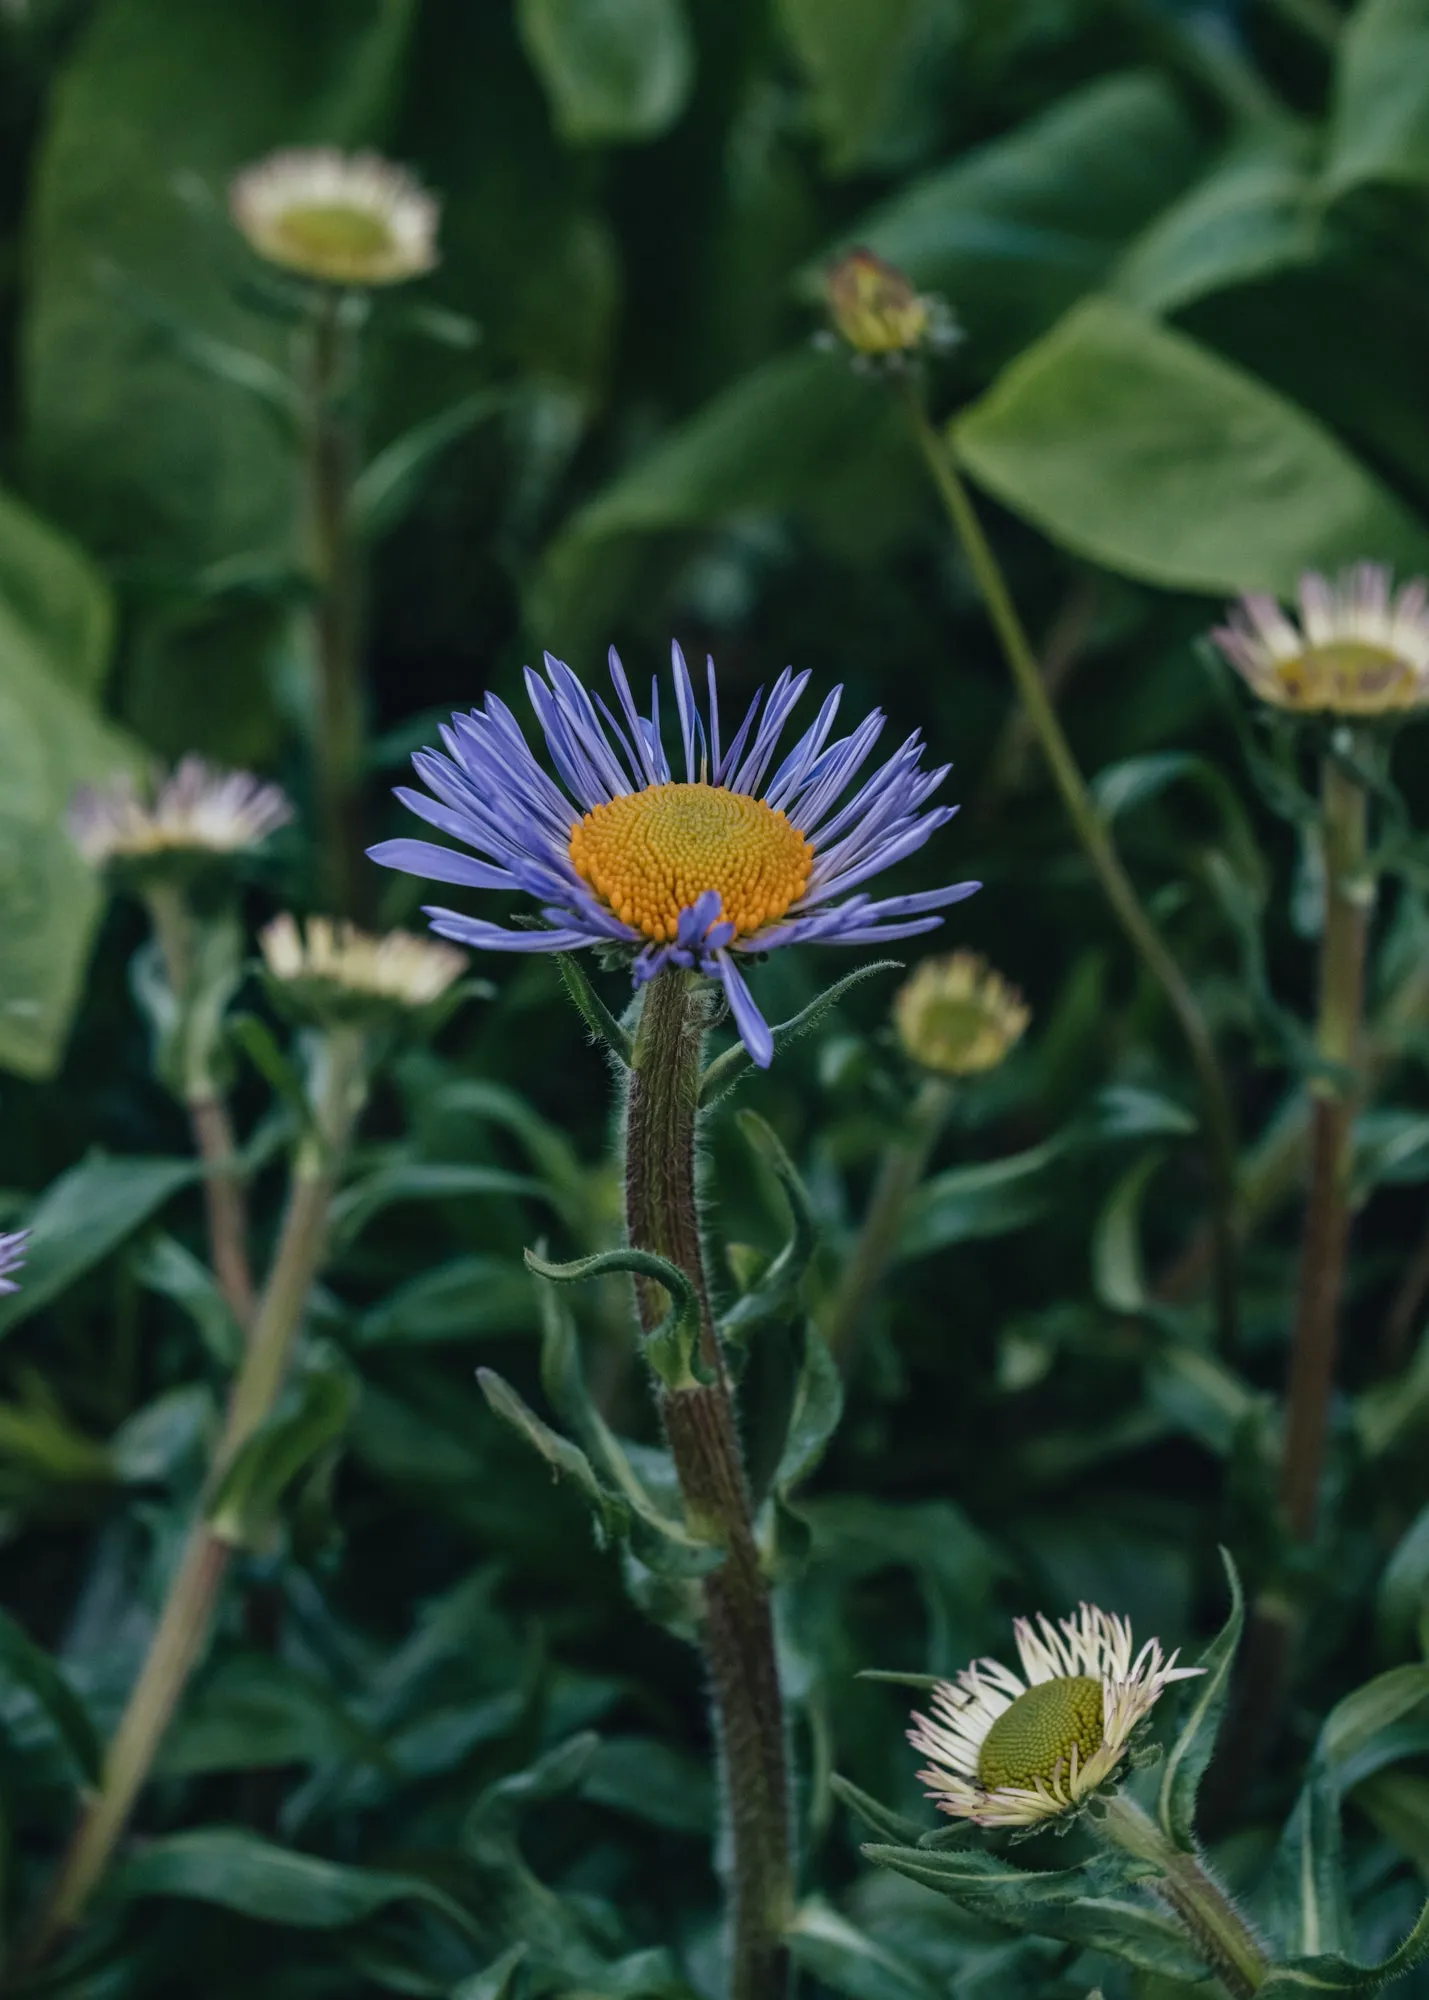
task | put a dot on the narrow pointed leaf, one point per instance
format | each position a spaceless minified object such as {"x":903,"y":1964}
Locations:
{"x":1190,"y":1754}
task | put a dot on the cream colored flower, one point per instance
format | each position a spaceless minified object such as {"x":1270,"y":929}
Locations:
{"x":875,"y":309}
{"x":197,"y":810}
{"x":1010,"y":1751}
{"x":400,"y":967}
{"x":342,"y":218}
{"x":1358,"y":650}
{"x":957,"y":1016}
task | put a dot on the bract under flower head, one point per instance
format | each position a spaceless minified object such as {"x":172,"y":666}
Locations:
{"x":13,"y":1250}
{"x":698,"y":872}
{"x":198,"y":810}
{"x":1358,"y":650}
{"x":957,"y":1016}
{"x":876,"y":310}
{"x":333,"y":970}
{"x":341,"y":218}
{"x":1010,"y":1750}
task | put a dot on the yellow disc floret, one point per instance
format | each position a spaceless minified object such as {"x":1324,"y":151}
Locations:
{"x":1036,"y":1735}
{"x":1349,"y":678}
{"x":652,"y":853}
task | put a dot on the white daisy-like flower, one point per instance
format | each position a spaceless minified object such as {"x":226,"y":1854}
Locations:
{"x":1359,"y":648}
{"x":342,"y":218}
{"x":1010,"y":1750}
{"x":399,"y":967}
{"x":196,"y":810}
{"x":957,"y":1016}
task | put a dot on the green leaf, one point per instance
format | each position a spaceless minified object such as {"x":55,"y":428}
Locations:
{"x":777,"y":1296}
{"x":1398,"y":1804}
{"x":241,"y":1872}
{"x":673,"y":1345}
{"x":1254,"y":213}
{"x":26,"y":1665}
{"x":387,"y":486}
{"x":56,"y":598}
{"x":1189,"y":1756}
{"x":307,"y":1424}
{"x":566,"y":1460}
{"x":727,"y":1070}
{"x":855,"y":56}
{"x":421,"y":1180}
{"x":168,"y":1267}
{"x":498,"y":1980}
{"x":1135,"y":447}
{"x":1379,"y":120}
{"x":612,"y":70}
{"x":838,"y":1955}
{"x":82,"y":1217}
{"x":1016,"y":231}
{"x":889,"y":1826}
{"x":818,"y":1406}
{"x":256,"y":1712}
{"x":1118,"y":1273}
{"x":1121,"y":788}
{"x":652,"y":1781}
{"x":467,"y":1298}
{"x":1332,"y":1974}
{"x":971,"y":1204}
{"x":1403,"y":1595}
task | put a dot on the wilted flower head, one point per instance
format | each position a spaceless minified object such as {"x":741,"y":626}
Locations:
{"x":875,"y":309}
{"x":1009,"y":1750}
{"x":1358,"y":650}
{"x":13,"y":1249}
{"x":197,"y":810}
{"x":332,"y":968}
{"x":698,"y":872}
{"x":957,"y":1016}
{"x":342,"y":218}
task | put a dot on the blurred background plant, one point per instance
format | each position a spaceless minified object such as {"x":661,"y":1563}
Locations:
{"x":286,"y":519}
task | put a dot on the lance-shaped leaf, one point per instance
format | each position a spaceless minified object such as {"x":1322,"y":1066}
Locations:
{"x":726,"y":1071}
{"x":673,"y":1347}
{"x":386,"y":487}
{"x":890,"y":1826}
{"x":777,"y":1296}
{"x":250,"y":1491}
{"x":26,"y":1665}
{"x":662,"y":1544}
{"x":566,"y":1460}
{"x":593,"y":1010}
{"x":1329,"y":1973}
{"x":1191,"y":1753}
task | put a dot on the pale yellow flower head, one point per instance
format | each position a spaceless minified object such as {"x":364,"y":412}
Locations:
{"x":876,"y":311}
{"x":1358,"y":649}
{"x":1010,"y":1750}
{"x":336,"y":962}
{"x":957,"y":1017}
{"x":340,"y":218}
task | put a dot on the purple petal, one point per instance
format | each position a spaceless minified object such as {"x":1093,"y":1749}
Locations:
{"x":752,"y":1026}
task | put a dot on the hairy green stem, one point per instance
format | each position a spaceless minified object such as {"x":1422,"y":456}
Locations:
{"x":1097,"y":845}
{"x":1217,"y":1929}
{"x":737,"y":1630}
{"x":224,"y":1194}
{"x":328,"y":470}
{"x":186,"y":1620}
{"x":898,"y":1178}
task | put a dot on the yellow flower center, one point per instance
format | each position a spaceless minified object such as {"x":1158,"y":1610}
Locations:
{"x":1348,"y":678}
{"x":1037,"y":1734}
{"x":652,"y":853}
{"x":331,"y":235}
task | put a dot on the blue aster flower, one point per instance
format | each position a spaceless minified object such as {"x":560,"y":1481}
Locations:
{"x":722,"y":865}
{"x":13,"y":1249}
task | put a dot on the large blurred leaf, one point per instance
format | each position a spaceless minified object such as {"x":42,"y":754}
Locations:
{"x":55,"y":596}
{"x":764,"y":444}
{"x":854,"y":53}
{"x":612,"y":69}
{"x":1379,"y":125}
{"x":139,"y":451}
{"x":84,"y":1215}
{"x":51,"y":743}
{"x":1252,"y":213}
{"x":29,"y":1666}
{"x":1016,"y":231}
{"x":1136,"y":447}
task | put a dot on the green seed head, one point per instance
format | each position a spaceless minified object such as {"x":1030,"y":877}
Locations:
{"x":1038,"y":1732}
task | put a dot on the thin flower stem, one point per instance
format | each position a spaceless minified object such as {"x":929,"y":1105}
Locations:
{"x":1097,"y":845}
{"x":186,"y":1620}
{"x":224,"y":1194}
{"x":1216,"y":1927}
{"x":737,"y":1631}
{"x":328,"y":467}
{"x":902,"y":1169}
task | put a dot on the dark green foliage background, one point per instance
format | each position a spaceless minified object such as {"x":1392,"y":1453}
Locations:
{"x":1189,"y":246}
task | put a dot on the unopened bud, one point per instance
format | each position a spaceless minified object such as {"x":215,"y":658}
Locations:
{"x":957,"y":1016}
